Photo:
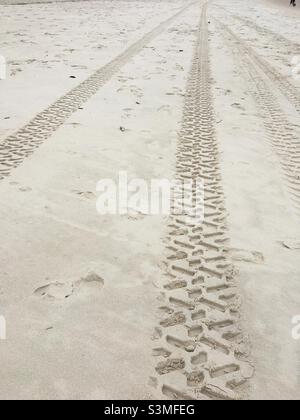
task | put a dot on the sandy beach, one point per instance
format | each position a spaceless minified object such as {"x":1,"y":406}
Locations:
{"x":150,"y":306}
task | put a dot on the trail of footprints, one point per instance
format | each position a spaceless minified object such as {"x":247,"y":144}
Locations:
{"x":200,"y":350}
{"x":282,"y":135}
{"x":20,"y":145}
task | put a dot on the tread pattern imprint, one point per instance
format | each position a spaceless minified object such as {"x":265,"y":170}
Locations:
{"x":264,"y":80}
{"x":285,"y":86}
{"x":15,"y":148}
{"x":200,"y":350}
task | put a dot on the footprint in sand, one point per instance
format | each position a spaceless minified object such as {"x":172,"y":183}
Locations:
{"x":291,"y":244}
{"x":54,"y":291}
{"x":135,"y":215}
{"x":127,"y":112}
{"x":246,"y":256}
{"x":85,"y":194}
{"x":238,"y":106}
{"x":165,"y":108}
{"x":25,"y":189}
{"x":88,"y":285}
{"x":14,"y":72}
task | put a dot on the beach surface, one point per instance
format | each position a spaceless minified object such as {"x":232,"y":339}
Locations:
{"x":137,"y":305}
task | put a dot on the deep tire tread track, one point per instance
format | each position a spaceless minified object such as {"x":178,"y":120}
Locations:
{"x":15,"y":148}
{"x":201,"y":351}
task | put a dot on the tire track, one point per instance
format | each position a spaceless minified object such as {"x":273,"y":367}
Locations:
{"x":200,"y":351}
{"x":288,"y":89}
{"x":15,"y":148}
{"x":282,"y":135}
{"x":284,"y":42}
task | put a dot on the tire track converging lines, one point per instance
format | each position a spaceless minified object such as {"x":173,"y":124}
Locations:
{"x":287,"y":88}
{"x":15,"y":148}
{"x":283,"y":138}
{"x":200,"y":350}
{"x":284,"y":42}
{"x":263,"y":31}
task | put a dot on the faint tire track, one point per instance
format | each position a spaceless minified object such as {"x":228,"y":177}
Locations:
{"x":284,"y":42}
{"x":15,"y":148}
{"x":282,"y":135}
{"x":200,"y":350}
{"x":287,"y":88}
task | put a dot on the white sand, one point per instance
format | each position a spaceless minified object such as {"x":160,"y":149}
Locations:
{"x":261,"y":215}
{"x":97,"y":343}
{"x":282,"y":5}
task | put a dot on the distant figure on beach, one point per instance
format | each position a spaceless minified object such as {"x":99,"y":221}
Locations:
{"x":293,"y":3}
